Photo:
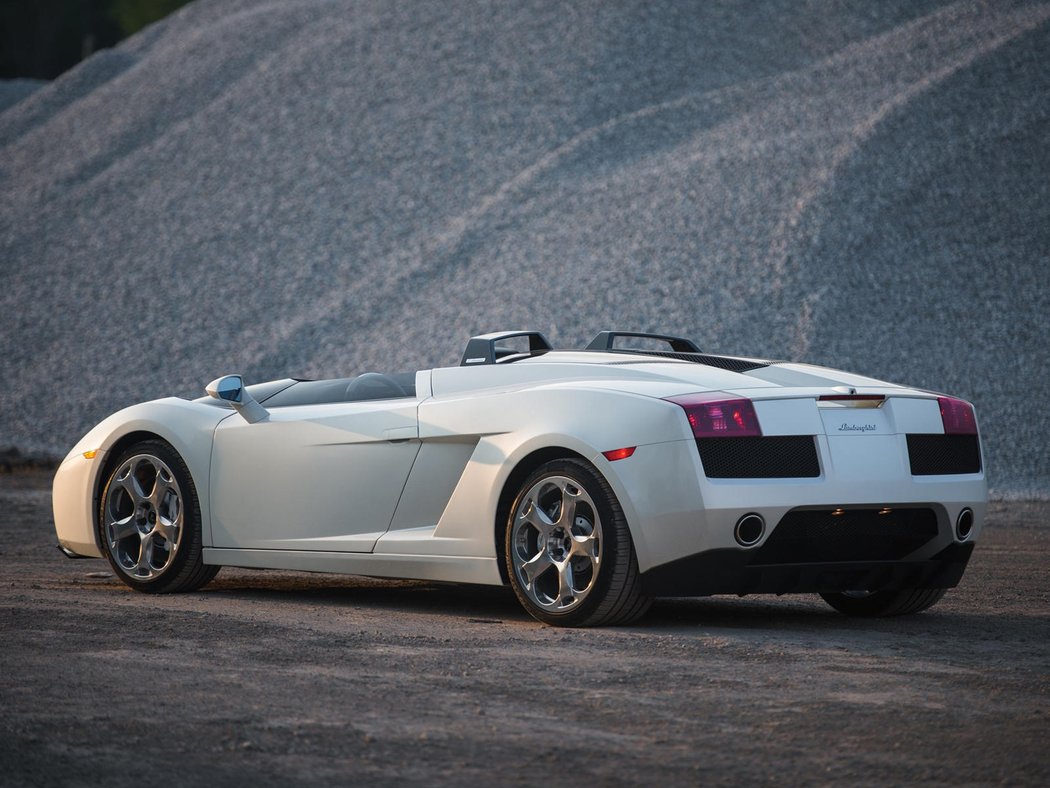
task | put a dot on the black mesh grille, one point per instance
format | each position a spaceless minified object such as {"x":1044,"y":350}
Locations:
{"x":933,"y":455}
{"x":807,"y":536}
{"x":722,"y":362}
{"x":772,"y":457}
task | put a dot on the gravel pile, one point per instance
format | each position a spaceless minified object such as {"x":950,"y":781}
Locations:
{"x":322,"y":188}
{"x":13,"y":91}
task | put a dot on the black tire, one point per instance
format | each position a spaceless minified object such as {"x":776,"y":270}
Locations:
{"x":149,"y":521}
{"x":601,"y":585}
{"x":880,"y":604}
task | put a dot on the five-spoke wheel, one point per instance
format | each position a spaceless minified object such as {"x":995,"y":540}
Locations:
{"x":149,"y":521}
{"x":568,"y":549}
{"x":557,"y":542}
{"x":143,"y":516}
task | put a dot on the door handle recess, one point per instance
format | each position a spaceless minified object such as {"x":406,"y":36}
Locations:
{"x":400,"y":434}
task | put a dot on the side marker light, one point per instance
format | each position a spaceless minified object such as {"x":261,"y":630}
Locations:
{"x":619,"y":454}
{"x":90,"y":455}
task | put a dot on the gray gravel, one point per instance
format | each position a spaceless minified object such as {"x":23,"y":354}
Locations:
{"x":325,"y":187}
{"x":284,"y":678}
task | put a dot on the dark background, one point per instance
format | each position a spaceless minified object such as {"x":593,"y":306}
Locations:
{"x":39,"y":39}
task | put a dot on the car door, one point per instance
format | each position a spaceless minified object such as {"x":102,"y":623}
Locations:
{"x":312,"y":477}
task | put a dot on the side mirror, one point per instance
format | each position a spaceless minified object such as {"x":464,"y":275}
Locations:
{"x":230,"y":388}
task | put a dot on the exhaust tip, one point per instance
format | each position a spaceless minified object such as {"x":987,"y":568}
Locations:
{"x":964,"y":524}
{"x":749,"y":529}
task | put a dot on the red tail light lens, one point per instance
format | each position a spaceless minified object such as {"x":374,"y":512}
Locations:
{"x":957,"y":416}
{"x":715,"y":415}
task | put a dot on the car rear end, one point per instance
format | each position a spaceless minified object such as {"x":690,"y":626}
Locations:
{"x":813,"y":490}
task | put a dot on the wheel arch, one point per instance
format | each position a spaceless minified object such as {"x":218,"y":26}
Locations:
{"x":183,"y":568}
{"x":185,"y":426}
{"x":513,"y":482}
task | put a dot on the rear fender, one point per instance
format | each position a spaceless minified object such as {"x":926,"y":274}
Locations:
{"x":515,"y":425}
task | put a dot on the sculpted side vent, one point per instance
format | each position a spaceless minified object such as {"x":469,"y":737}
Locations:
{"x":935,"y":455}
{"x":766,"y":457}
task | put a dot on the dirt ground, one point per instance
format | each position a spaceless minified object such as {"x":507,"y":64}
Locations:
{"x":269,"y":678}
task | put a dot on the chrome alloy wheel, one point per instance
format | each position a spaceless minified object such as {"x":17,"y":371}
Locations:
{"x":556,"y":544}
{"x":143,"y":516}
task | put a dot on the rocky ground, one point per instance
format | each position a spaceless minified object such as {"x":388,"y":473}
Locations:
{"x":267,"y":678}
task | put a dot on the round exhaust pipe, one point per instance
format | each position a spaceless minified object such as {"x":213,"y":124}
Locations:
{"x":749,"y":529}
{"x":964,"y":524}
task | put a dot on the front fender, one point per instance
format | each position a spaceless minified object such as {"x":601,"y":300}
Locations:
{"x":187,"y":426}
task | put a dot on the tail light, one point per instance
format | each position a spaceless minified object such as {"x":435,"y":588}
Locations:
{"x":957,"y":416}
{"x":717,"y":415}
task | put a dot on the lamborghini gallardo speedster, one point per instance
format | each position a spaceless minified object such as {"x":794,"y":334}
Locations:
{"x":590,"y":481}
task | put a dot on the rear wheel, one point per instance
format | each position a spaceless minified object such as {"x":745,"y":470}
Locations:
{"x":150,"y":522}
{"x":568,"y":549}
{"x":879,"y":604}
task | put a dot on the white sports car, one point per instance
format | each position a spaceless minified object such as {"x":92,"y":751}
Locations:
{"x":589,"y":480}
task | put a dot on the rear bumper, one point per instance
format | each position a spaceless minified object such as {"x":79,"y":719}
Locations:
{"x":677,"y":513}
{"x":738,"y":571}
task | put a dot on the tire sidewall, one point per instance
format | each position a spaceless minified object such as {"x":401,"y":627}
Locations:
{"x":881,"y":604}
{"x":609,"y":513}
{"x":191,"y":526}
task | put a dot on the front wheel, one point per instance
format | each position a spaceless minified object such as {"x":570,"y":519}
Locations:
{"x":879,"y":604}
{"x":568,"y":549}
{"x":150,"y":521}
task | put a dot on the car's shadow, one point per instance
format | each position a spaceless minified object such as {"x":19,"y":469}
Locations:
{"x":407,"y":596}
{"x":494,"y":604}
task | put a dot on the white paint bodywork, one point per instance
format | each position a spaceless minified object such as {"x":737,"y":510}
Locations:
{"x":410,"y":487}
